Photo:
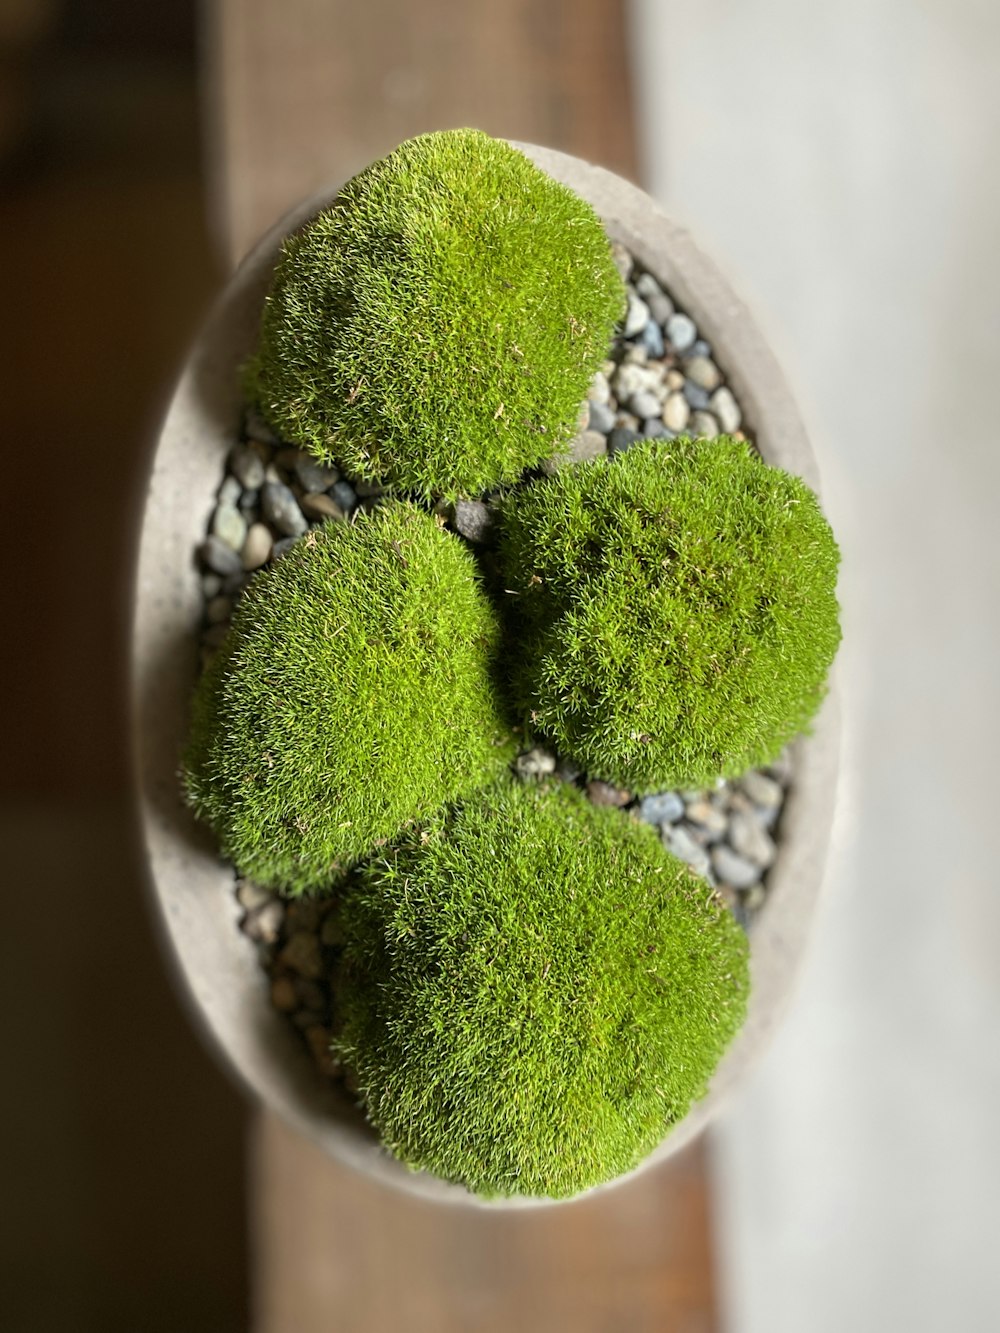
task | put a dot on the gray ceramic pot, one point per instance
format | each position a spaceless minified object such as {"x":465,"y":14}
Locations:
{"x":193,"y":890}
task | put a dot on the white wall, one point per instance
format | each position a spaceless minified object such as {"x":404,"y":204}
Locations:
{"x":842,"y":162}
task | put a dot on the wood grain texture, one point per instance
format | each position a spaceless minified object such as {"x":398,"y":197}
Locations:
{"x":305,"y":93}
{"x":334,"y":1251}
{"x":309,"y":91}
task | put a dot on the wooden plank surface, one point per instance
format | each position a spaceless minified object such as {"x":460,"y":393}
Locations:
{"x":306,"y":93}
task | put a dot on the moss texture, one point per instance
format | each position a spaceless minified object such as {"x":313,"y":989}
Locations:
{"x":675,"y":611}
{"x":533,"y":992}
{"x":353,"y":692}
{"x":438,"y":326}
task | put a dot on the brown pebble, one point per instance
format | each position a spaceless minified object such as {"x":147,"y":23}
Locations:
{"x":302,"y":955}
{"x":304,"y":914}
{"x":603,"y":793}
{"x":251,"y":896}
{"x":318,"y":1038}
{"x":321,"y":506}
{"x":264,"y":924}
{"x":283,"y":995}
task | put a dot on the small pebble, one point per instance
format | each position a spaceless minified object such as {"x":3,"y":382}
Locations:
{"x":344,"y":495}
{"x":761,"y":789}
{"x":605,"y":793}
{"x":676,"y":412}
{"x":696,"y":398}
{"x":679,"y":840}
{"x":600,"y":389}
{"x":230,"y":492}
{"x":601,"y":417}
{"x":681,"y":332}
{"x":664,"y":808}
{"x":751,"y":840}
{"x":700,"y":348}
{"x":703,"y":372}
{"x":734,"y":869}
{"x":631,"y":378}
{"x":247,"y":467}
{"x":321,"y":507}
{"x":302,"y":954}
{"x":644,"y":404}
{"x":535,"y":763}
{"x":264,"y":924}
{"x":314,"y":476}
{"x":652,"y":338}
{"x":211,"y":585}
{"x":654,"y":429}
{"x":636,"y":316}
{"x":781,"y":769}
{"x":257,"y":547}
{"x":282,"y":547}
{"x":646,"y":285}
{"x":219,"y":557}
{"x":250,"y":896}
{"x":704,"y":426}
{"x":674,"y":380}
{"x":281,"y":508}
{"x":318,"y":1039}
{"x":707,"y":817}
{"x":622,"y":438}
{"x":473,"y":520}
{"x":258,"y":429}
{"x":229,"y":525}
{"x":249,"y":501}
{"x":724,"y":405}
{"x":365,"y":490}
{"x":283,"y":995}
{"x":218,"y":610}
{"x":303,"y":914}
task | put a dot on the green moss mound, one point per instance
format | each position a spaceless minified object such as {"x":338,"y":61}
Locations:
{"x":675,"y":611}
{"x":533,"y":992}
{"x":353,"y":692}
{"x":437,"y":327}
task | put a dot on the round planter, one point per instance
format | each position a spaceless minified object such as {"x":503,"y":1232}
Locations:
{"x":193,"y":889}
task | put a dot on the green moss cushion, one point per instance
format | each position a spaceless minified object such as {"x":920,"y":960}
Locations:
{"x":437,"y":327}
{"x":354,"y":692}
{"x":675,"y":611}
{"x":533,"y":992}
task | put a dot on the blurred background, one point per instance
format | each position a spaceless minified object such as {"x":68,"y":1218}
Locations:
{"x":840,"y":163}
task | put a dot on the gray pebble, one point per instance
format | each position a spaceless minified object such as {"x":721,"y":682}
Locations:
{"x":367,"y":490}
{"x":282,"y":547}
{"x":761,"y":789}
{"x":249,"y":500}
{"x":233,"y":585}
{"x":257,"y":547}
{"x":734,"y":869}
{"x":781,"y":769}
{"x":696,"y":397}
{"x":601,"y":417}
{"x":666,"y":807}
{"x":751,"y":840}
{"x":313,"y":476}
{"x":622,"y":438}
{"x":636,"y":316}
{"x":321,"y":507}
{"x":652,"y":339}
{"x":704,"y":425}
{"x":219,"y":557}
{"x":344,"y":495}
{"x":589,"y":444}
{"x":676,"y":412}
{"x":281,"y":508}
{"x":654,"y":429}
{"x":644,"y":404}
{"x":703,"y":372}
{"x":211,"y":585}
{"x":473,"y":520}
{"x":646,"y":285}
{"x":229,"y":525}
{"x":700,"y":348}
{"x":726,"y":408}
{"x":535,"y":763}
{"x":258,"y":429}
{"x":247,"y":467}
{"x":230,"y":492}
{"x":679,"y":840}
{"x":681,"y":331}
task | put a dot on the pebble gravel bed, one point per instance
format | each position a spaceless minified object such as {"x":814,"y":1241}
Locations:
{"x":660,"y":379}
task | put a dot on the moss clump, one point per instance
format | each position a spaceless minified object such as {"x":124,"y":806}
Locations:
{"x":676,"y":611}
{"x":438,"y":325}
{"x":533,"y":992}
{"x":353,"y":692}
